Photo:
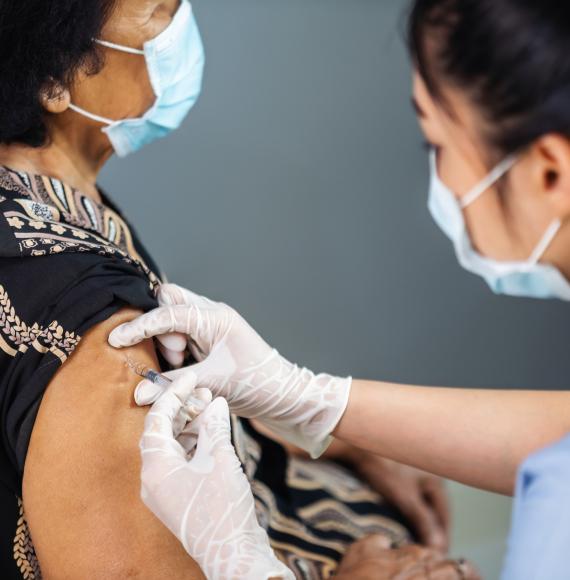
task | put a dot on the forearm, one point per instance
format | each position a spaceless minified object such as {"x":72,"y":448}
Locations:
{"x":477,"y":437}
{"x":474,"y":436}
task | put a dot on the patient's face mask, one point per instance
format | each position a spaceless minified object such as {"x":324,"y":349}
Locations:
{"x":527,"y":278}
{"x":175,"y":63}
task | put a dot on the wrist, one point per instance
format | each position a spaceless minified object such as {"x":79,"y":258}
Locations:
{"x":346,"y":454}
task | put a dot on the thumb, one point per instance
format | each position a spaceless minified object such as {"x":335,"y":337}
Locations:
{"x":201,"y":398}
{"x":214,"y":437}
{"x":206,"y":372}
{"x":216,"y":416}
{"x":158,"y":429}
{"x":147,"y":392}
{"x":175,"y":396}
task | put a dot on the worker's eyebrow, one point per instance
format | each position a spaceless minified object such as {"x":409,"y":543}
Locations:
{"x":417,"y":108}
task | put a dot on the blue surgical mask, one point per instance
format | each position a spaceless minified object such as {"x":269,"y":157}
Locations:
{"x":175,"y":63}
{"x":528,"y":278}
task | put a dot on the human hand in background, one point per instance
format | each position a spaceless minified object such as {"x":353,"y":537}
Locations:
{"x":372,"y":557}
{"x":193,"y":482}
{"x":237,"y":364}
{"x":419,"y":495}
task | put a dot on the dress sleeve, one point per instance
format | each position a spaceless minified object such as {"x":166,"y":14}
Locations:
{"x":46,"y":306}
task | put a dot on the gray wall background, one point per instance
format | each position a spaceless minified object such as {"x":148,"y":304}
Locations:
{"x":296,"y":191}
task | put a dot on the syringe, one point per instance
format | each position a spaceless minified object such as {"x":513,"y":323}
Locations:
{"x":194,"y":406}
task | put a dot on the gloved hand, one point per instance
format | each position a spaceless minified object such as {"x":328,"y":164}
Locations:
{"x":195,"y":485}
{"x":237,"y":364}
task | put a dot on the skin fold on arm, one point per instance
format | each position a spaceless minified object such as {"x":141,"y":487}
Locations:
{"x":81,"y":488}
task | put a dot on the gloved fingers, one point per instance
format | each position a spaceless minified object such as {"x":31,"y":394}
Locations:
{"x":175,"y":341}
{"x":188,"y":438}
{"x":173,"y":347}
{"x":170,"y":403}
{"x":163,"y":320}
{"x":171,"y":294}
{"x":189,"y":434}
{"x":175,"y":358}
{"x":180,"y":422}
{"x":188,"y":416}
{"x":158,"y":441}
{"x":214,"y":438}
{"x":203,"y":399}
{"x":204,"y":395}
{"x":197,"y":353}
{"x":147,"y":392}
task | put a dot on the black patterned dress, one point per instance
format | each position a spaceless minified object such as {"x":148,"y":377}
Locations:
{"x":68,"y":263}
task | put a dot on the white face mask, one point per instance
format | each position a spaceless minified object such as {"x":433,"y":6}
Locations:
{"x":527,"y":278}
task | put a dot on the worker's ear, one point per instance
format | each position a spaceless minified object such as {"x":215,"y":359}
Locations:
{"x":55,"y":98}
{"x":550,"y":173}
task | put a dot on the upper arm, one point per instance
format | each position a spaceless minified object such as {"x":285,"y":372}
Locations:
{"x":81,"y":488}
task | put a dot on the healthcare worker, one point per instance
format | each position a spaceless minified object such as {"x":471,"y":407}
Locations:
{"x":491,"y":90}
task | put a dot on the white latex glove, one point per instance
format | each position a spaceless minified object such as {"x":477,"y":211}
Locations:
{"x":237,"y":364}
{"x":195,"y":485}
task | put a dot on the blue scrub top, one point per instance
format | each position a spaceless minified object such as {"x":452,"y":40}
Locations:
{"x":539,"y":540}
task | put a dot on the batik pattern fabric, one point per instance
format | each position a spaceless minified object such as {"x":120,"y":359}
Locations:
{"x":47,"y":217}
{"x":68,"y":262}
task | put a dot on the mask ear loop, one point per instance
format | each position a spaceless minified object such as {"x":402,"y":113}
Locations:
{"x":546,"y":240}
{"x":499,"y":171}
{"x":92,"y":116}
{"x":119,"y":47}
{"x":504,"y":167}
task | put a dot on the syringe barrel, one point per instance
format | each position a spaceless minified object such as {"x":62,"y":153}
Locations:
{"x":157,"y":378}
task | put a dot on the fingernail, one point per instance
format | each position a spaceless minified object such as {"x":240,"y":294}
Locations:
{"x":146,"y":393}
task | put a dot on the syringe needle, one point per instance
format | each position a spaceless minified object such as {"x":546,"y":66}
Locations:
{"x":159,"y":379}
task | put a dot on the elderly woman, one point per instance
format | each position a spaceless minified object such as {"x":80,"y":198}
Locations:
{"x":80,"y":80}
